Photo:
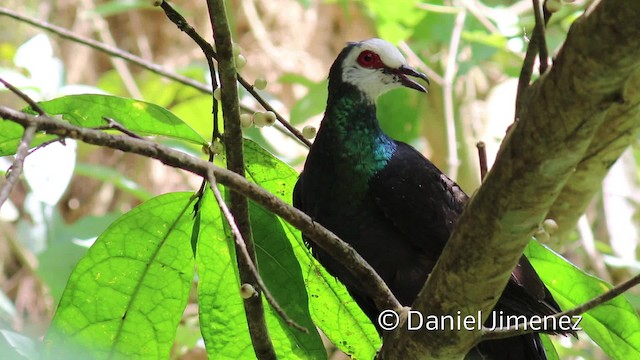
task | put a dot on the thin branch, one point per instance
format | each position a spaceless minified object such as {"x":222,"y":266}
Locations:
{"x":488,"y":334}
{"x":413,"y":58}
{"x":449,"y":76}
{"x":101,"y":27}
{"x":541,"y":17}
{"x":589,"y":245}
{"x":18,"y":162}
{"x":34,"y":105}
{"x":110,"y":50}
{"x":240,"y":243}
{"x":482,"y":158}
{"x":322,"y":237}
{"x":113,"y":124}
{"x":184,"y":26}
{"x":526,"y":72}
{"x":239,"y":204}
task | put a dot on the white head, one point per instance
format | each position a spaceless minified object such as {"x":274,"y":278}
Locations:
{"x":375,"y":66}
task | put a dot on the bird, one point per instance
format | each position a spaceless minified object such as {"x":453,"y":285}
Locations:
{"x":389,"y":202}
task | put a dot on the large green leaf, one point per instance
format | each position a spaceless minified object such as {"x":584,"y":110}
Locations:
{"x":222,"y":319}
{"x":332,"y":308}
{"x":223,"y":322}
{"x":126,"y":296}
{"x":140,"y":117}
{"x":614,"y":326}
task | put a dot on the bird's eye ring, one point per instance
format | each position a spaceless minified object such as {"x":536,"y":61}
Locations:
{"x":369,"y":59}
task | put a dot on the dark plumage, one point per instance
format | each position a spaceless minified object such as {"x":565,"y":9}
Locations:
{"x":388,"y":201}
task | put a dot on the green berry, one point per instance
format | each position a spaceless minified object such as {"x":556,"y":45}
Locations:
{"x":240,"y":61}
{"x":260,"y":84}
{"x":270,"y":118}
{"x":217,"y":94}
{"x":246,"y":120}
{"x":259,"y":119}
{"x":216,"y":147}
{"x":553,"y":6}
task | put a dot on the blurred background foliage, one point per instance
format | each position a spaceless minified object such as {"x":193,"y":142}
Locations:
{"x":471,"y":50}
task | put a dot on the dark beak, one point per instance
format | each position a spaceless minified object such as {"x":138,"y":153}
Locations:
{"x":405,"y":71}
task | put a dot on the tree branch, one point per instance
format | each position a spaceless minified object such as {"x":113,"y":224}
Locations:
{"x":239,"y":205}
{"x":557,"y":124}
{"x":620,"y":129}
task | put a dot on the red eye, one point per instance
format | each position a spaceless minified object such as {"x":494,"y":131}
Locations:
{"x":369,"y":59}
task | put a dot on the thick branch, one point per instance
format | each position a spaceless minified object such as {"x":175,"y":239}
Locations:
{"x":557,"y":123}
{"x":619,"y":130}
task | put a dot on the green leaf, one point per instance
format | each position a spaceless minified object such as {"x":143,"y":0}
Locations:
{"x":11,"y":134}
{"x":313,"y":103}
{"x":398,"y":115}
{"x":331,"y":306}
{"x":223,"y":322}
{"x":126,"y":296}
{"x":395,"y":20}
{"x":552,"y":354}
{"x":137,"y":116}
{"x":222,"y":316}
{"x":614,"y":325}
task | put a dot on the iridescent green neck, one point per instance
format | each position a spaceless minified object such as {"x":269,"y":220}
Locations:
{"x":352,"y":126}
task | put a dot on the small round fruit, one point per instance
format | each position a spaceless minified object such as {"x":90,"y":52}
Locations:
{"x":309,"y":132}
{"x":246,"y":120}
{"x":216,"y":147}
{"x":260,"y":84}
{"x":240,"y":61}
{"x":247,"y":291}
{"x":550,"y":226}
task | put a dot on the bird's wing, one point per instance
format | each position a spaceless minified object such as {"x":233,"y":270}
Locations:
{"x":424,"y":205}
{"x":418,"y":199}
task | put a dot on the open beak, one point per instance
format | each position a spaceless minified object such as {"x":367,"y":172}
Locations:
{"x":404,"y":71}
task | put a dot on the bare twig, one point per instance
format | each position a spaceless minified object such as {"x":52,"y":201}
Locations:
{"x":16,"y":168}
{"x":589,"y":245}
{"x":488,"y":334}
{"x":526,"y":71}
{"x":539,"y":33}
{"x":183,"y":25}
{"x":113,"y":124}
{"x":240,"y":244}
{"x":449,"y":113}
{"x":110,"y":50}
{"x":101,"y":27}
{"x":34,"y":105}
{"x":324,"y":238}
{"x":413,"y":58}
{"x":482,"y":158}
